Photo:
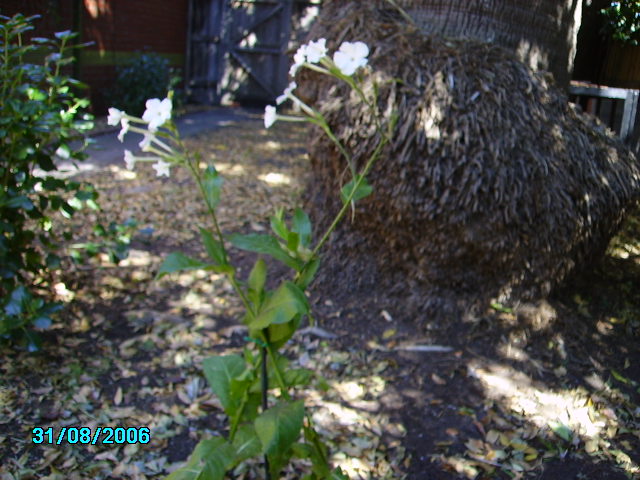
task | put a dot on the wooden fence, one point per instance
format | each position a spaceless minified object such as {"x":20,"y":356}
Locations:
{"x":616,"y":107}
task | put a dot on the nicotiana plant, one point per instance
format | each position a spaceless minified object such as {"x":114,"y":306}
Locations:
{"x":257,"y":389}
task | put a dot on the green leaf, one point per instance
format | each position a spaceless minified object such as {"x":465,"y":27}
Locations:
{"x":620,"y":377}
{"x":86,"y":195}
{"x":220,"y":371}
{"x":308,"y":274}
{"x":280,"y":333}
{"x":500,"y":308}
{"x":53,"y":261}
{"x":212,"y":183}
{"x":284,"y":304}
{"x":298,"y":377}
{"x":363,"y":190}
{"x":246,"y":443}
{"x":20,"y":201}
{"x":43,"y":323}
{"x":293,"y":240}
{"x":67,"y":210}
{"x":302,"y":226}
{"x":277,"y":224}
{"x":176,"y":262}
{"x":338,"y":474}
{"x":279,"y":427}
{"x":257,"y":279}
{"x":561,"y":430}
{"x":210,"y":460}
{"x":19,"y":296}
{"x":214,"y":247}
{"x":65,"y":35}
{"x":265,"y":244}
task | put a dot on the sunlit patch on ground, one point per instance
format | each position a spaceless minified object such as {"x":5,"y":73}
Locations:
{"x":533,"y":423}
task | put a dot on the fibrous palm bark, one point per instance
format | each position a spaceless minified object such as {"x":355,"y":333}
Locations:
{"x":494,"y":187}
{"x":542,"y":33}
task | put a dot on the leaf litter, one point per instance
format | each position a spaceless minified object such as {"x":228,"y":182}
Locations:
{"x":398,"y":402}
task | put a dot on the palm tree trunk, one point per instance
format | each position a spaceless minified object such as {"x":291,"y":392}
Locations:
{"x":542,"y":33}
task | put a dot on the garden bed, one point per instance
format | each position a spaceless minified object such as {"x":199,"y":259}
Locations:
{"x":545,"y":391}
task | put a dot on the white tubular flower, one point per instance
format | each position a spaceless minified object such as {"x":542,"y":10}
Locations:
{"x":270,"y":116}
{"x":115,"y":116}
{"x":351,"y":56}
{"x":129,"y":159}
{"x":125,"y":128}
{"x":157,"y":113}
{"x":316,"y":50}
{"x":287,"y":92}
{"x":145,"y":144}
{"x":298,"y":59}
{"x":162,"y":168}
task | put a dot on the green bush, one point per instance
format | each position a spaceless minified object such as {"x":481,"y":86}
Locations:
{"x":622,"y":21}
{"x":146,"y":76}
{"x":41,"y":119}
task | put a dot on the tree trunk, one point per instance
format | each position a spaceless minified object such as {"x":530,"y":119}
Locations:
{"x":494,"y":187}
{"x":543,"y":33}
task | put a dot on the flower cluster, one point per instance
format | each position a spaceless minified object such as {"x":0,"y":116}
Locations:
{"x":345,"y":62}
{"x":156,"y":115}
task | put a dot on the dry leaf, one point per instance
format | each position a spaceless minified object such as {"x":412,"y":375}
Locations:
{"x":117,"y":398}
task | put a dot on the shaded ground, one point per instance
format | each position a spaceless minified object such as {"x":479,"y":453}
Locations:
{"x":545,"y":391}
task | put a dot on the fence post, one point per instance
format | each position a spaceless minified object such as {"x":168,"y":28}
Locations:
{"x":629,"y":114}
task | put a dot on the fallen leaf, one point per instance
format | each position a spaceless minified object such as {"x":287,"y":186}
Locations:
{"x":117,"y":398}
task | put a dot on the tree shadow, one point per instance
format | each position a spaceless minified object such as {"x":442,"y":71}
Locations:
{"x":544,"y":390}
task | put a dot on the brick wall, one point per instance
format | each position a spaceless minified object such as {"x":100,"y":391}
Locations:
{"x":118,"y":28}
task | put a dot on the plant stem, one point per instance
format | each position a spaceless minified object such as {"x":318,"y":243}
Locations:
{"x":265,"y":394}
{"x":284,"y":390}
{"x":196,"y":174}
{"x":235,"y":422}
{"x":347,"y":203}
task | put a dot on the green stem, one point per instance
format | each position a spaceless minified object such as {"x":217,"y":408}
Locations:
{"x":317,"y":445}
{"x":265,"y":395}
{"x":323,"y":124}
{"x":347,"y":203}
{"x":279,"y":377}
{"x":212,"y":213}
{"x":235,"y":422}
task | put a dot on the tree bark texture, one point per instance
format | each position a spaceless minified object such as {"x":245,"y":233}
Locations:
{"x":543,"y":33}
{"x":493,"y":188}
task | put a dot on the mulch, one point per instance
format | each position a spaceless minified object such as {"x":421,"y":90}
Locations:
{"x":547,"y":390}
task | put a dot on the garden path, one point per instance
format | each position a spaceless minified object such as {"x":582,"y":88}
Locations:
{"x":108,"y":150}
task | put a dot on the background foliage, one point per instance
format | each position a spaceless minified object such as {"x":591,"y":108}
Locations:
{"x":148,"y":75}
{"x":623,"y":21}
{"x":43,"y":120}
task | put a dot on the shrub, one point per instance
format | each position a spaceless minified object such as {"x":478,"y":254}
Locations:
{"x":622,"y":21}
{"x":42,"y":119}
{"x":148,"y":75}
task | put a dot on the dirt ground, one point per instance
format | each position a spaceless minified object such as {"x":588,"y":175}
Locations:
{"x":546,"y":391}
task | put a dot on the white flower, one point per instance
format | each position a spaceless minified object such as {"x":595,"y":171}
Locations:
{"x":115,"y":116}
{"x":162,"y":168}
{"x":129,"y":159}
{"x":146,"y":141}
{"x":351,"y":56}
{"x":157,"y":113}
{"x":270,"y":116}
{"x":316,"y":50}
{"x":301,"y":54}
{"x":125,"y":128}
{"x":287,"y":91}
{"x":298,"y":59}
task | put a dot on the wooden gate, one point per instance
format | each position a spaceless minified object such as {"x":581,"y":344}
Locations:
{"x":238,"y":49}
